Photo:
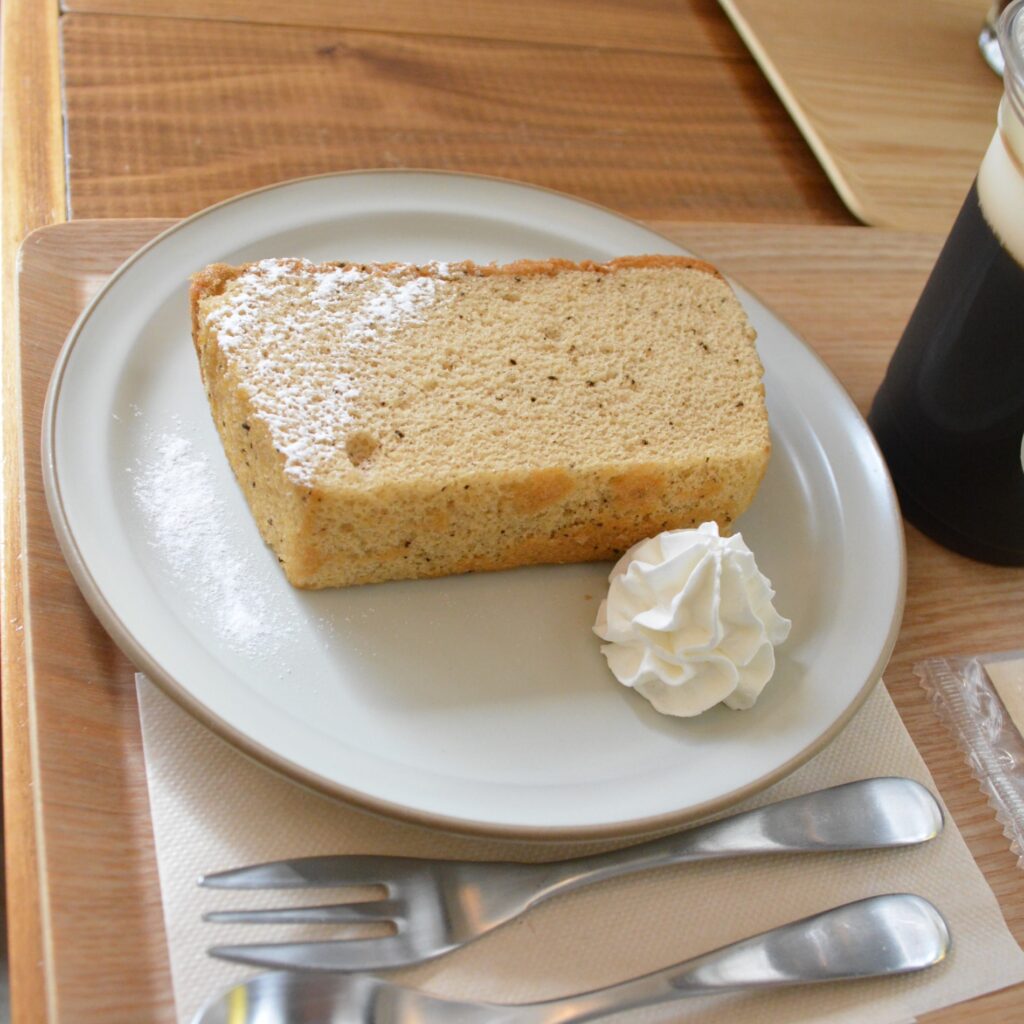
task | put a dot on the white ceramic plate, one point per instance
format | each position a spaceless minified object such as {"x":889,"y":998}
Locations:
{"x":477,"y":703}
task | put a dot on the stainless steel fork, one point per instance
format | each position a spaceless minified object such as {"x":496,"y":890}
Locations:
{"x":435,"y":906}
{"x":879,"y":936}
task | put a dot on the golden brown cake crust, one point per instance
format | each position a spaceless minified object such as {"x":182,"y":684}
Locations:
{"x":212,"y":279}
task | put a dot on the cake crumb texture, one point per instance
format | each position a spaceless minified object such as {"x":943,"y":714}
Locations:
{"x":391,"y":421}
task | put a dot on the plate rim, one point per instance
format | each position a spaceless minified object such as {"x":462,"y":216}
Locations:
{"x":123,"y":637}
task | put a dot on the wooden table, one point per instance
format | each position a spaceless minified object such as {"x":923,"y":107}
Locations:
{"x":656,"y":110}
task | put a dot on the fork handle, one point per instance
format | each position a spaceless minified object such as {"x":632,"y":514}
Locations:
{"x":864,"y":815}
{"x":882,"y":935}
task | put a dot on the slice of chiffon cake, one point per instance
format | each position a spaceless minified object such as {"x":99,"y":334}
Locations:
{"x":390,"y":421}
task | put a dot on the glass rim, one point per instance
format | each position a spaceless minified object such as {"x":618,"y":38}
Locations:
{"x":1011,"y":42}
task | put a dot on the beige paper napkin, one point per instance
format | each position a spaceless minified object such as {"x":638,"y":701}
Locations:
{"x":214,"y":809}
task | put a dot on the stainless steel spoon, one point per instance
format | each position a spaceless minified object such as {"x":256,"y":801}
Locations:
{"x":883,"y":935}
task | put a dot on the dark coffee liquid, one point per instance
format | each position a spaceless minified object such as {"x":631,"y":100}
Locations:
{"x":949,"y":415}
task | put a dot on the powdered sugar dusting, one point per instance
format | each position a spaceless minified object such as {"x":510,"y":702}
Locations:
{"x":334,"y":279}
{"x":176,"y":490}
{"x":290,"y":325}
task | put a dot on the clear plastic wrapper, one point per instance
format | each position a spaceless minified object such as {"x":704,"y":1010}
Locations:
{"x":981,"y":701}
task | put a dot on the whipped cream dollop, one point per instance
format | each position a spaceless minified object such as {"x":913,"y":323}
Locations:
{"x":690,"y":623}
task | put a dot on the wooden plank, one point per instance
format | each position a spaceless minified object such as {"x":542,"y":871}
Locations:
{"x":848,"y":290}
{"x":695,"y":26}
{"x":894,"y":98}
{"x":32,"y":187}
{"x":167,"y":116}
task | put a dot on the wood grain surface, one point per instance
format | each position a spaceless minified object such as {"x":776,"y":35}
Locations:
{"x":693,"y":27}
{"x":894,"y":98}
{"x":165,"y":116}
{"x":105,"y":958}
{"x":848,"y":290}
{"x":32,"y":190}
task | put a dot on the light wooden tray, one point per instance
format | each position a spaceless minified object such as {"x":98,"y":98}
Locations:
{"x":87,"y":929}
{"x":893,"y":97}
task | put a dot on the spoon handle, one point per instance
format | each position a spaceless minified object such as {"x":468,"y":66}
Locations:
{"x":864,"y":815}
{"x":882,"y":935}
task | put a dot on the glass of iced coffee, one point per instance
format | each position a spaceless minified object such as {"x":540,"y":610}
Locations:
{"x":949,"y":415}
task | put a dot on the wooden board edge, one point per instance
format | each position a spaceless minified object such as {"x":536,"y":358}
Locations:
{"x":61,"y":256}
{"x":33,"y":194}
{"x":863,"y":211}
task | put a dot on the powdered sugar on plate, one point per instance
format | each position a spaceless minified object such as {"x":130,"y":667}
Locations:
{"x":175,"y":488}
